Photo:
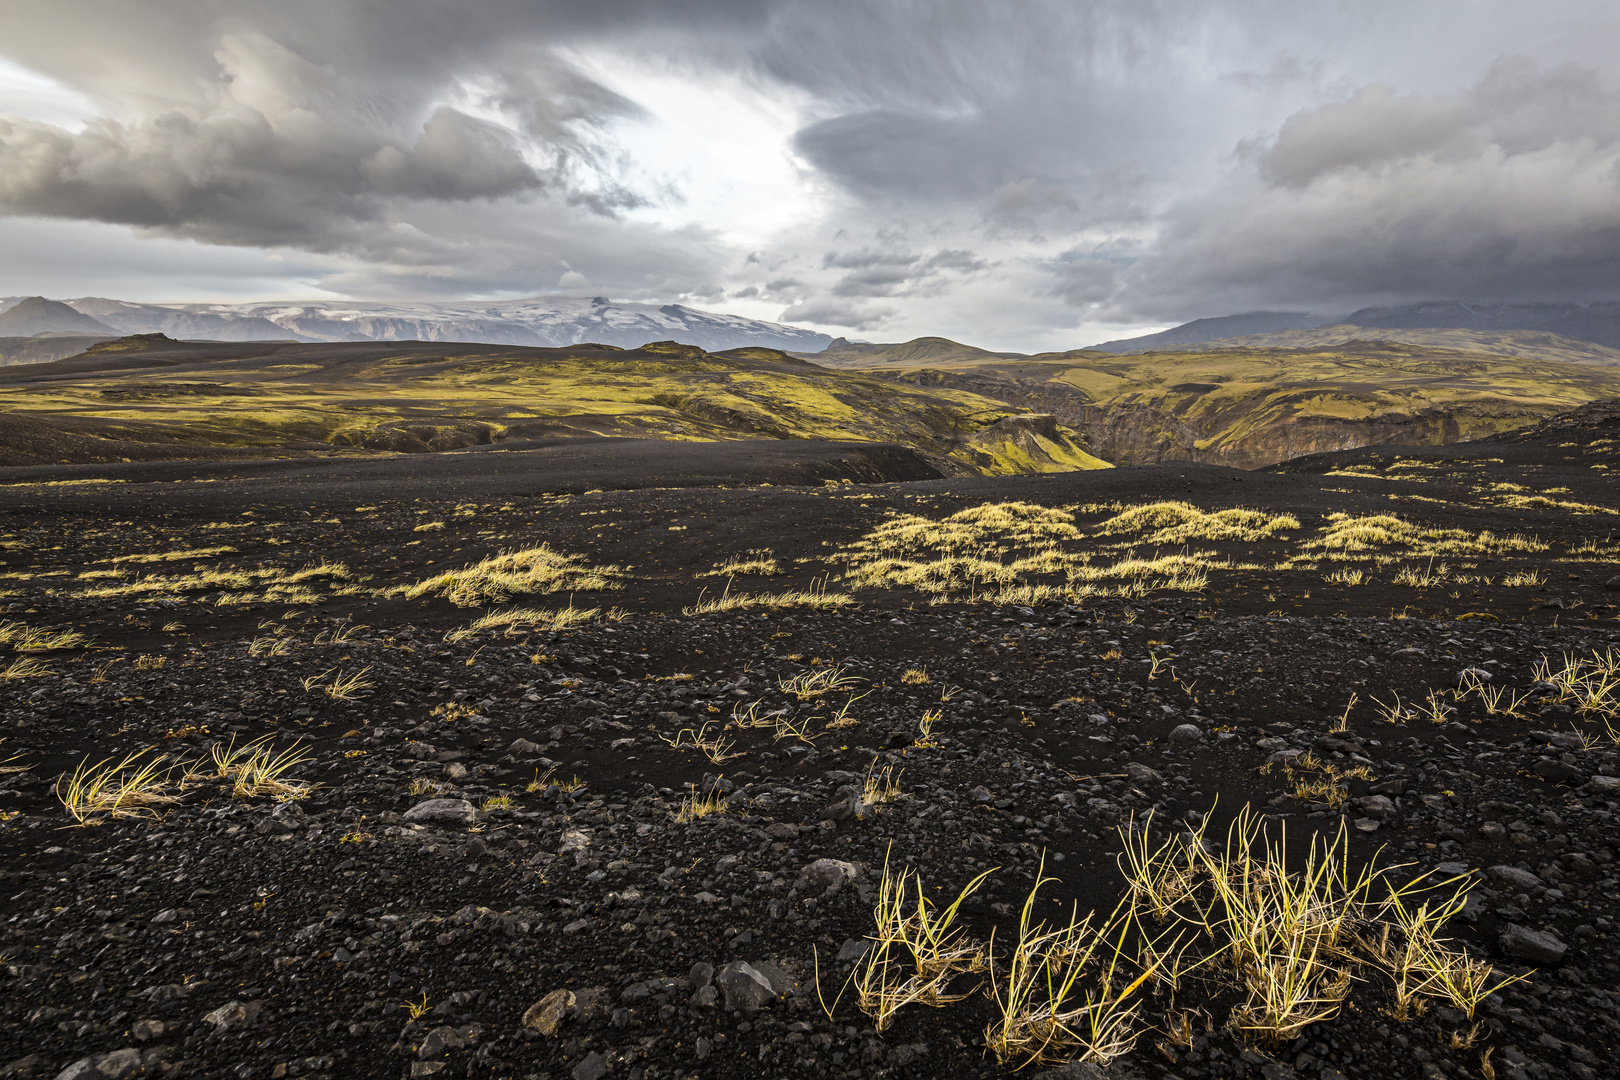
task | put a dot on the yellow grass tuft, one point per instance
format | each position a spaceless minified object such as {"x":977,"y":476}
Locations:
{"x":517,"y":573}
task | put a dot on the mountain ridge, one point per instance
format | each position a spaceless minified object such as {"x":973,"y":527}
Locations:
{"x":546,"y":322}
{"x":33,"y":315}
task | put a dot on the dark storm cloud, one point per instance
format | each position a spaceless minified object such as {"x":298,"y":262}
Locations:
{"x":1507,"y":190}
{"x":314,"y":126}
{"x":1131,"y":159}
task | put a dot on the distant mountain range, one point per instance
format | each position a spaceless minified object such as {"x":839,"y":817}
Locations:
{"x":33,"y":315}
{"x":1598,"y":322}
{"x":1201,"y":330}
{"x":540,"y":321}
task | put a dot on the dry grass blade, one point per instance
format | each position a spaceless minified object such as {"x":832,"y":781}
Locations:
{"x":129,"y":788}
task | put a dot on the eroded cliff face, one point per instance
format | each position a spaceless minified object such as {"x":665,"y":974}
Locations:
{"x":1196,"y":424}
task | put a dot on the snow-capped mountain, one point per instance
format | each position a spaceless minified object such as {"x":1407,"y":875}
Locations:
{"x":547,"y":320}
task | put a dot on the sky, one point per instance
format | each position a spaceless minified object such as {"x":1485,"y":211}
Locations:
{"x":1018,"y":174}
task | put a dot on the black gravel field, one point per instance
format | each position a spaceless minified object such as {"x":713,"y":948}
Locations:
{"x":489,"y":874}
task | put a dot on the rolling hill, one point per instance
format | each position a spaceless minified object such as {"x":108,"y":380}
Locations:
{"x":1527,"y":344}
{"x":1255,"y":406}
{"x":150,"y":397}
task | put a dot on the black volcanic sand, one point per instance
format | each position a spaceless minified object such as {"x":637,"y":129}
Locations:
{"x":249,"y":939}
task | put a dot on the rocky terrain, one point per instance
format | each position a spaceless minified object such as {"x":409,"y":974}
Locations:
{"x":630,"y":835}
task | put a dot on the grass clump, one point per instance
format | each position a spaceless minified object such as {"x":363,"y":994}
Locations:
{"x":995,"y":544}
{"x":757,"y":562}
{"x":809,"y":685}
{"x":24,"y":667}
{"x":816,"y":597}
{"x":255,"y":768}
{"x":917,"y":949}
{"x":696,"y":806}
{"x":1180,"y":523}
{"x":129,"y":788}
{"x":1346,"y":535}
{"x":25,"y":639}
{"x":1295,"y":939}
{"x":1590,"y":683}
{"x":519,"y":619}
{"x":517,"y":573}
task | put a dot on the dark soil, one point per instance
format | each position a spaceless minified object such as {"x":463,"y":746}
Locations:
{"x":251,"y":939}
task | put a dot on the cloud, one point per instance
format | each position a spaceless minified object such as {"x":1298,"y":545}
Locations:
{"x":1509,"y":189}
{"x":855,"y":316}
{"x":1007,"y":171}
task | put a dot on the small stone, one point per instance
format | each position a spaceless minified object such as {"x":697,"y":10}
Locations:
{"x":83,"y":1069}
{"x":440,"y":1039}
{"x":1378,"y":806}
{"x":426,"y":1068}
{"x":703,"y":1047}
{"x":1141,"y":774}
{"x":577,"y":926}
{"x":1556,"y":771}
{"x":744,"y":986}
{"x":853,"y":949}
{"x":1604,"y":785}
{"x":118,"y":1064}
{"x":1535,"y":946}
{"x":592,"y":1068}
{"x":1613,"y":584}
{"x":828,"y":874}
{"x":846,"y":807}
{"x":1522,"y":880}
{"x":234,"y":1015}
{"x":167,"y":915}
{"x":442,"y":812}
{"x":783,"y":830}
{"x":1367,"y":824}
{"x":1186,"y":735}
{"x":1493,"y":831}
{"x":147,"y":1030}
{"x":981,"y":794}
{"x":706,"y":997}
{"x":546,"y":1015}
{"x":455,"y":770}
{"x":574,"y":840}
{"x":701,"y":974}
{"x":1408,"y":654}
{"x":524,"y":747}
